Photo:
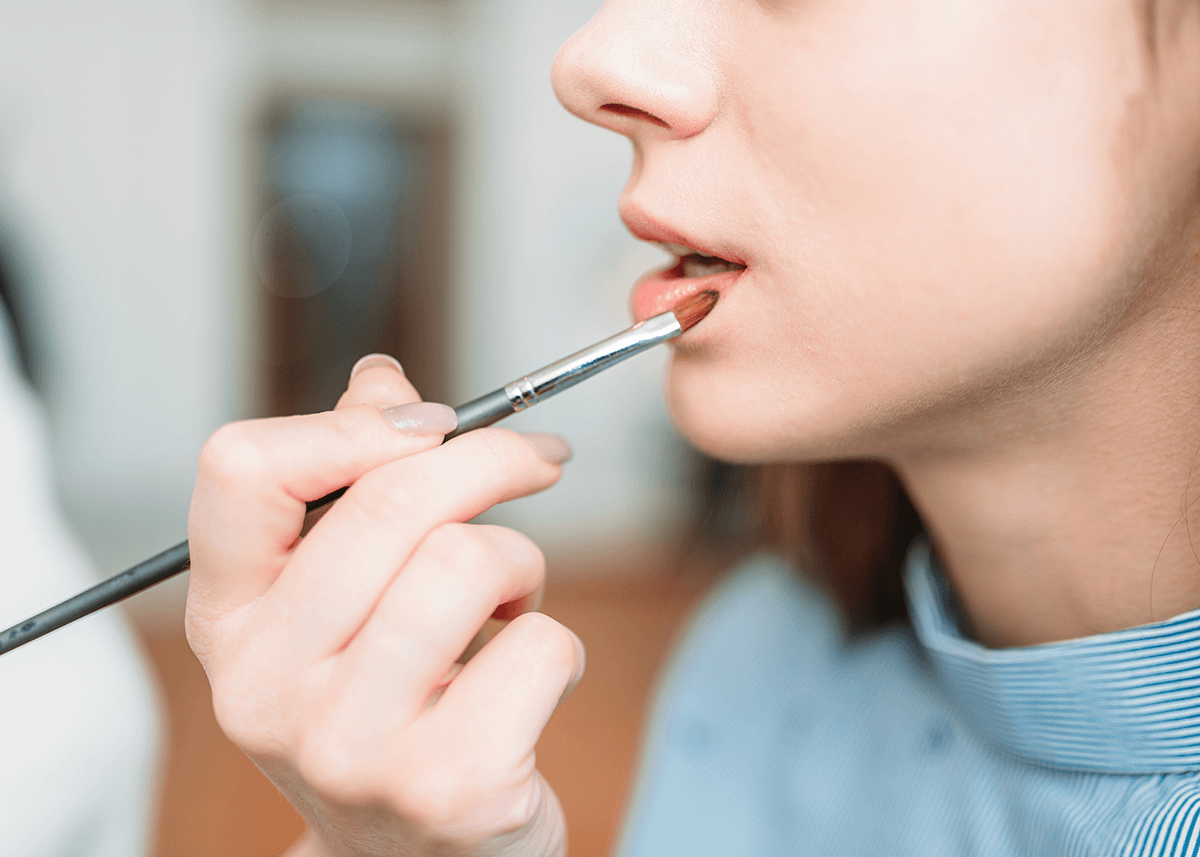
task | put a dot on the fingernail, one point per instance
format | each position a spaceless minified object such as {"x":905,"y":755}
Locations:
{"x":580,"y":663}
{"x":371,"y":361}
{"x":549,"y":447}
{"x":422,"y":418}
{"x":582,"y":652}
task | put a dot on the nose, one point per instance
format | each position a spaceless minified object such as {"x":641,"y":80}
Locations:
{"x":638,"y":69}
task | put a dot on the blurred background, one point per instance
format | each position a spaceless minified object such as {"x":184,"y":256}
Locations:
{"x":209,"y":209}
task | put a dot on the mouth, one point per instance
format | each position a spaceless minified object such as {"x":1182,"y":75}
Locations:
{"x":691,"y":263}
{"x":698,"y":265}
{"x":693,"y":271}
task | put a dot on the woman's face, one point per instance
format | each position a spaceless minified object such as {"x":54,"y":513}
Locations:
{"x":940,"y":206}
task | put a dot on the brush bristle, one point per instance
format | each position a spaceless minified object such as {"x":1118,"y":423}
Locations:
{"x":690,"y":312}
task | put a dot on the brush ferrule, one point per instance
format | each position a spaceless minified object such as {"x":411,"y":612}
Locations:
{"x":521,"y":393}
{"x":569,"y":371}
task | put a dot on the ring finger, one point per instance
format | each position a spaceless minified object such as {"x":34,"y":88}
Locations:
{"x":428,"y":615}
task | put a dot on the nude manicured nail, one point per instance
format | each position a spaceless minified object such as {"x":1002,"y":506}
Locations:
{"x":549,"y":447}
{"x":371,"y":361}
{"x":422,"y":418}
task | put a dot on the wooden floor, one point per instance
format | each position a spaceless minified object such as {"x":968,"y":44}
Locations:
{"x":216,"y":802}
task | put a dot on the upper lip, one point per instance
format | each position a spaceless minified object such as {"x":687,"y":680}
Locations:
{"x":646,"y":227}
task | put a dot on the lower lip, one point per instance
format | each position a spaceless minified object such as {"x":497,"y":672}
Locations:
{"x":660,"y":291}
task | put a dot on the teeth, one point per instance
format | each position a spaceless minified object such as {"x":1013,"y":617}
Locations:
{"x":696,"y":264}
{"x":702,"y":266}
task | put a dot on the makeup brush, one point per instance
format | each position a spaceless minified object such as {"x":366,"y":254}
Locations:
{"x":517,"y":396}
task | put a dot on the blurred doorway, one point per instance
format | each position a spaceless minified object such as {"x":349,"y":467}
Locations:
{"x":352,"y":246}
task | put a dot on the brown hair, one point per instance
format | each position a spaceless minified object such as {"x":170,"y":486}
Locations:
{"x":848,"y":524}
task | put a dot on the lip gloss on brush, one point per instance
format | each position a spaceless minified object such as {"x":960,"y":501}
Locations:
{"x":517,"y":396}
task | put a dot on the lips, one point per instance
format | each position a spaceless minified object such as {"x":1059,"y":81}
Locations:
{"x":696,"y":268}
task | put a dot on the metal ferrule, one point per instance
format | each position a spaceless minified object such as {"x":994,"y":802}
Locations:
{"x":571,"y":370}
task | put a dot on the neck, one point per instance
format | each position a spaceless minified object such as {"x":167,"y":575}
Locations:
{"x":1073,"y":511}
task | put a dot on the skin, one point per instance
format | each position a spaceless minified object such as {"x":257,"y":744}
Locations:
{"x":332,"y":656}
{"x":972,"y":236}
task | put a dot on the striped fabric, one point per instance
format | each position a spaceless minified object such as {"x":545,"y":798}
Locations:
{"x":775,"y":734}
{"x":1123,"y":703}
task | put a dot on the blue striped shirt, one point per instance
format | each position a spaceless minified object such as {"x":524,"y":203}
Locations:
{"x":774,"y":733}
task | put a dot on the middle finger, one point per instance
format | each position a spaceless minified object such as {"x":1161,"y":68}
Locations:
{"x":432,"y":610}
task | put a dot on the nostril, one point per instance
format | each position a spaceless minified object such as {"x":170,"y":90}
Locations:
{"x":634,"y":113}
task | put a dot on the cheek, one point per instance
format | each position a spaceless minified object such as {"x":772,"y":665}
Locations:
{"x":939,"y":221}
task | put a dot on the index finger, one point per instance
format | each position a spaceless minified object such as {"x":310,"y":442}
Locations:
{"x":342,"y":568}
{"x":254,"y":480}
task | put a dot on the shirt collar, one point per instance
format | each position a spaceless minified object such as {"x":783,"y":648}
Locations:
{"x":1126,"y":702}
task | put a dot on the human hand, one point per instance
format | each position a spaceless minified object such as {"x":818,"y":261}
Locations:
{"x":332,"y":656}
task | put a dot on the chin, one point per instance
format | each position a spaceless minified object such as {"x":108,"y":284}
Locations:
{"x":722,"y":442}
{"x":740,"y":417}
{"x":715,"y":414}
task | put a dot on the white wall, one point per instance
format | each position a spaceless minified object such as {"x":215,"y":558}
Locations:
{"x":546,"y":268}
{"x":124,"y":168}
{"x":117,"y":170}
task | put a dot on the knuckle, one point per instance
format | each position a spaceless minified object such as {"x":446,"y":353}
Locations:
{"x":232,"y":453}
{"x":348,"y":424}
{"x":463,"y":556}
{"x":503,"y":448}
{"x":439,"y":798}
{"x":335,"y":770}
{"x":400,"y":493}
{"x":199,"y":626}
{"x":242,"y":715}
{"x":524,"y":550}
{"x":523,"y":569}
{"x":460,"y":546}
